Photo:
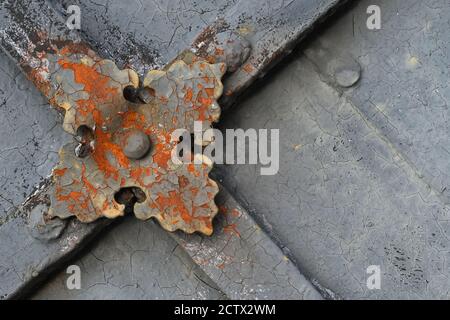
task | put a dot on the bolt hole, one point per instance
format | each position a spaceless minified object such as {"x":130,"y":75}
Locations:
{"x":130,"y":94}
{"x":146,"y":94}
{"x":140,"y":95}
{"x":129,"y":196}
{"x":85,"y":132}
{"x":85,"y":137}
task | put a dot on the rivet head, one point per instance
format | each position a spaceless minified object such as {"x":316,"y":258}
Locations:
{"x":348,"y":76}
{"x":136,"y":144}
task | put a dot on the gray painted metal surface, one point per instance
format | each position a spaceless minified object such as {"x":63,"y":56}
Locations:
{"x":147,"y":34}
{"x":32,"y":135}
{"x":405,"y":88}
{"x":364,"y":172}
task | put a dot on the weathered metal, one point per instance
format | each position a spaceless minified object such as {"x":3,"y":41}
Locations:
{"x":24,"y":24}
{"x":91,"y":92}
{"x":217,"y":43}
{"x":136,"y":144}
{"x":180,"y":196}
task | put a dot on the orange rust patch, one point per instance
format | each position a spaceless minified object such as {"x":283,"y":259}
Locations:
{"x":77,"y":200}
{"x":211,"y":59}
{"x":191,"y":168}
{"x":86,"y":182}
{"x":235,"y":213}
{"x":97,"y":86}
{"x":95,"y":83}
{"x":69,"y":48}
{"x":132,"y":119}
{"x":59,"y":172}
{"x":248,"y":68}
{"x":35,"y":75}
{"x":103,"y":146}
{"x":206,"y":79}
{"x":163,"y":151}
{"x":183,"y":181}
{"x":175,"y":202}
{"x":188,"y":95}
{"x":219,"y":52}
{"x":136,"y":174}
{"x":210,"y":93}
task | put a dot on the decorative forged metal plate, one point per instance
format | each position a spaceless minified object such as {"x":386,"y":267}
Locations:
{"x":109,"y":129}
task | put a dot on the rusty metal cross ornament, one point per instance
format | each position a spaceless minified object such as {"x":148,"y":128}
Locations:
{"x":124,"y":145}
{"x":121,"y":159}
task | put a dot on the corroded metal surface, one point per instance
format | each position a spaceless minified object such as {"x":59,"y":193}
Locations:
{"x":216,"y":43}
{"x":91,"y":92}
{"x":21,"y":26}
{"x":180,"y":196}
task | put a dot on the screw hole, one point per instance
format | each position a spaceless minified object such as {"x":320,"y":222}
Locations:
{"x":129,"y":196}
{"x":85,"y":137}
{"x":130,"y":94}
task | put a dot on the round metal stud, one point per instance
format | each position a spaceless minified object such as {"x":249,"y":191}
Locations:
{"x":136,"y":144}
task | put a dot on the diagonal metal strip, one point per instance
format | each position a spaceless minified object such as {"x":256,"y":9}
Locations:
{"x":243,"y":260}
{"x":14,"y":29}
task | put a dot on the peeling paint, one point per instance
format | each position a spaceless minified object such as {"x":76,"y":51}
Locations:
{"x":85,"y":187}
{"x":90,"y":90}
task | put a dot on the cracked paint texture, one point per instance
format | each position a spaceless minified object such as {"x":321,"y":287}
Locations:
{"x":404,"y":90}
{"x":363,"y":176}
{"x":243,"y":260}
{"x":31,"y":138}
{"x":138,"y":260}
{"x":164,"y":28}
{"x":90,"y":90}
{"x":180,"y":196}
{"x":116,"y":31}
{"x":346,"y":196}
{"x":134,"y":260}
